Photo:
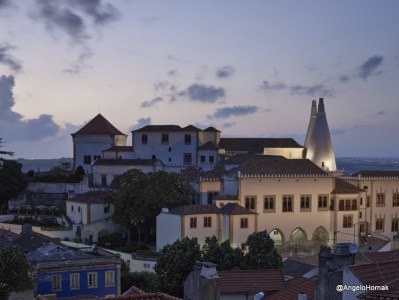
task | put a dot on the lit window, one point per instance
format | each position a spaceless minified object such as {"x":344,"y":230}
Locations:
{"x":92,"y":280}
{"x":56,"y":283}
{"x":74,"y":280}
{"x":110,"y":278}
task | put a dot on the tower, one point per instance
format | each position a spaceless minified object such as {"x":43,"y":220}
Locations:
{"x":319,"y":148}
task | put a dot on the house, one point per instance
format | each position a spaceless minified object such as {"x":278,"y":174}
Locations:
{"x":62,"y":272}
{"x":91,"y":215}
{"x":231,"y":222}
{"x":298,"y":288}
{"x":92,"y":139}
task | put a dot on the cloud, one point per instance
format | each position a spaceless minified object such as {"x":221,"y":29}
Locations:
{"x":337,"y":131}
{"x":228,"y":124}
{"x":13,"y":126}
{"x":225,"y":72}
{"x":140,"y":123}
{"x":203,"y":93}
{"x":226,"y":112}
{"x":161,"y":85}
{"x":369,"y":67}
{"x":298,"y":89}
{"x":381,"y":113}
{"x":7,"y":59}
{"x":172,"y":72}
{"x":152,"y":102}
{"x":4,"y":4}
{"x":344,"y":78}
{"x":100,"y":13}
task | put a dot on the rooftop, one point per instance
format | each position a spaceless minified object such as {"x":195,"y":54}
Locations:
{"x":256,"y":145}
{"x":119,"y":149}
{"x":98,"y":126}
{"x":96,"y":197}
{"x":343,"y":187}
{"x":234,"y":209}
{"x":378,"y":257}
{"x":195,"y":209}
{"x":383,"y":273}
{"x":295,"y":287}
{"x":166,"y":128}
{"x":377,"y":173}
{"x":126,"y":162}
{"x":207,"y":146}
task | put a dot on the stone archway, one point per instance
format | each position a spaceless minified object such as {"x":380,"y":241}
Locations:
{"x":277,"y":236}
{"x":320,"y":236}
{"x":298,"y":237}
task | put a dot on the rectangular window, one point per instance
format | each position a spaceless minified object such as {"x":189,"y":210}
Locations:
{"x":243,"y":246}
{"x":269,"y":203}
{"x":354,"y":204}
{"x":72,"y":208}
{"x":106,"y":209}
{"x":187,"y":139}
{"x":87,"y":159}
{"x":395,"y":225}
{"x":193,"y":222}
{"x":379,"y":225}
{"x":207,"y":222}
{"x":395,"y":199}
{"x":103,"y":180}
{"x":202,"y":158}
{"x":347,"y":221}
{"x":56,"y":283}
{"x":288,"y":203}
{"x":109,"y":278}
{"x":244,"y":223}
{"x":250,"y":202}
{"x":360,"y":215}
{"x":144,"y":139}
{"x":92,"y":280}
{"x":211,"y":159}
{"x":74,"y":281}
{"x":165,"y":138}
{"x":306,"y":202}
{"x":187,"y":159}
{"x":380,"y":199}
{"x":332,"y":204}
{"x":322,"y":203}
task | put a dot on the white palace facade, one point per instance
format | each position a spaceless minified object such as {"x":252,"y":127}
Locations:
{"x":244,"y":185}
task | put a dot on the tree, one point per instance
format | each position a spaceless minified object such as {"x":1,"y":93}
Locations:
{"x":5,"y":152}
{"x":223,"y":255}
{"x":261,"y":253}
{"x":12,"y":180}
{"x":140,"y":197}
{"x":14,"y":269}
{"x":175,"y":263}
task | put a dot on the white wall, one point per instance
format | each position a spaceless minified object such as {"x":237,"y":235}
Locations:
{"x":168,"y":229}
{"x":201,"y":232}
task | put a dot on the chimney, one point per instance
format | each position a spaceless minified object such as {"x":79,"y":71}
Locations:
{"x":202,"y":282}
{"x":302,"y":296}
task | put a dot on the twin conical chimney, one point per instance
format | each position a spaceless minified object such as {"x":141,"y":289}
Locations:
{"x":319,"y":148}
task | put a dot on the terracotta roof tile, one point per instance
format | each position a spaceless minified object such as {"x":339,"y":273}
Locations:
{"x":235,"y":209}
{"x":98,"y":126}
{"x":119,"y":149}
{"x":343,"y":187}
{"x":378,"y":257}
{"x":197,"y":209}
{"x":294,"y":287}
{"x":207,"y":146}
{"x":250,"y":281}
{"x":377,"y":273}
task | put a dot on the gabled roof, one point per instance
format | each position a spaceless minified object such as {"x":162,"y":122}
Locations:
{"x":344,"y":187}
{"x":166,"y":128}
{"x":256,"y":145}
{"x":126,"y":162}
{"x":377,"y":173}
{"x":31,"y":241}
{"x":384,"y":273}
{"x":269,"y":165}
{"x":235,"y":209}
{"x":295,"y":268}
{"x":211,"y":129}
{"x":98,"y":126}
{"x":136,"y":293}
{"x":250,"y":281}
{"x":294,"y":287}
{"x":96,"y":197}
{"x":207,"y":146}
{"x":197,"y":209}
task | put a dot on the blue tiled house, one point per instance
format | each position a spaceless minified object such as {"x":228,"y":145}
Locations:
{"x":65,"y":272}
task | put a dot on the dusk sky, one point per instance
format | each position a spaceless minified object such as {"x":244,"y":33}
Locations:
{"x":248,"y":68}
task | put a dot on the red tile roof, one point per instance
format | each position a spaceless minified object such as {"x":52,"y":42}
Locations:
{"x":377,"y":273}
{"x":295,"y":287}
{"x":378,"y":257}
{"x":98,"y":126}
{"x":208,"y":146}
{"x":343,"y":187}
{"x":250,"y":281}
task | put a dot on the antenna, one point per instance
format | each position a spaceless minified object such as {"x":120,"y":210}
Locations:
{"x":99,"y":108}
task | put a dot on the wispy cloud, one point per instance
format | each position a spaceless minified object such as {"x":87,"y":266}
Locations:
{"x":13,"y":126}
{"x":152,"y":102}
{"x":203,"y":93}
{"x":225,"y":72}
{"x":140,"y":123}
{"x":370,"y":66}
{"x":226,"y":112}
{"x":7,"y":59}
{"x":101,"y":13}
{"x":297,"y":89}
